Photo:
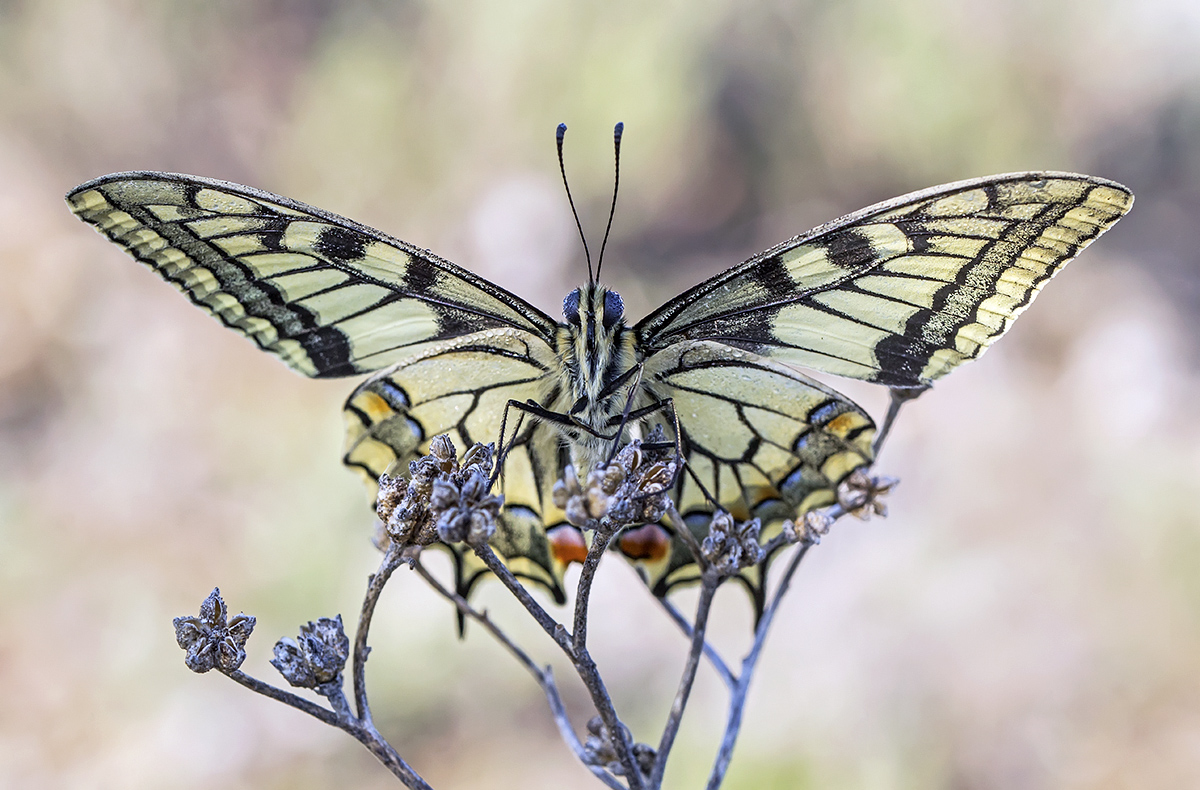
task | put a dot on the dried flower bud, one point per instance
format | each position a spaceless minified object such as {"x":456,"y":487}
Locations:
{"x":729,"y":546}
{"x":638,"y":482}
{"x":565,"y":487}
{"x":441,"y":450}
{"x":445,"y":495}
{"x":614,"y":475}
{"x":811,"y":527}
{"x":644,"y":756}
{"x":391,"y":493}
{"x":479,"y":455}
{"x":210,"y":641}
{"x":861,"y":494}
{"x":464,"y":508}
{"x":583,"y":505}
{"x":289,"y":660}
{"x":403,"y":505}
{"x":599,"y":750}
{"x":410,"y":510}
{"x":316,"y":657}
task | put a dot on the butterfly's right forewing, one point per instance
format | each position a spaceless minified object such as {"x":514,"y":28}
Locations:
{"x":327,"y":295}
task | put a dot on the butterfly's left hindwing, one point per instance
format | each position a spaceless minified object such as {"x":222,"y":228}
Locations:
{"x":327,"y":295}
{"x":763,"y":440}
{"x":461,"y":388}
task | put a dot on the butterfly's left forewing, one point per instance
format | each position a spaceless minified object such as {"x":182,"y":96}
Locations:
{"x":901,"y":292}
{"x":332,"y":297}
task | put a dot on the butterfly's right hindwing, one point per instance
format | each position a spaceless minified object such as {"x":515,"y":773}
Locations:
{"x":461,"y":389}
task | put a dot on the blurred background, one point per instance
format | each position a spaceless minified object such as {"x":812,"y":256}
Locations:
{"x":1029,"y":614}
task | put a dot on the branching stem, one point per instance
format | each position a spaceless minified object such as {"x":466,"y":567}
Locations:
{"x":391,"y":560}
{"x":708,"y":587}
{"x":737,"y":701}
{"x":710,"y":652}
{"x":543,"y":675}
{"x":552,"y":627}
{"x":362,"y":731}
{"x":585,"y":667}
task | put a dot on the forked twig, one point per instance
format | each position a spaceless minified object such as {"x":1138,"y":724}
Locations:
{"x":708,"y":588}
{"x":737,"y":701}
{"x":543,"y":676}
{"x":585,"y":666}
{"x":710,"y":652}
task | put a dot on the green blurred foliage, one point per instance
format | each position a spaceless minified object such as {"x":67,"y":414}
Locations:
{"x":1028,"y":617}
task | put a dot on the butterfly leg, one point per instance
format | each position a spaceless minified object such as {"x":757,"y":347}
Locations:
{"x":635,"y":371}
{"x":532,"y":408}
{"x":503,"y":450}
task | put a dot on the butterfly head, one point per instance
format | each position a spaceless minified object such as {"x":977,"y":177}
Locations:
{"x":594,"y":344}
{"x":593,"y":305}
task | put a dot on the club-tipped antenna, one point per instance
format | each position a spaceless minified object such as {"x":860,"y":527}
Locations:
{"x":618,"y":130}
{"x":562,"y":131}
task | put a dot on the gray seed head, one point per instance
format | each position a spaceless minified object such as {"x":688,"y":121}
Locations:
{"x":212,"y":642}
{"x":317,"y":656}
{"x":862,"y":495}
{"x":731,"y":547}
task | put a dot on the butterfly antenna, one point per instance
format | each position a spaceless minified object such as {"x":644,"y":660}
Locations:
{"x":562,"y":131}
{"x":618,"y":130}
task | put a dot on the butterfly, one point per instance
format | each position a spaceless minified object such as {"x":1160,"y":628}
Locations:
{"x":899,"y":294}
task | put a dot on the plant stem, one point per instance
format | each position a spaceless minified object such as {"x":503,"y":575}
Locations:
{"x":583,"y":592}
{"x":375,"y":583}
{"x":362,"y":731}
{"x":708,"y":588}
{"x":710,"y":652}
{"x":552,"y":627}
{"x":737,"y":701}
{"x":685,"y":534}
{"x":366,"y":734}
{"x":543,"y":676}
{"x":286,"y":697}
{"x":585,"y":667}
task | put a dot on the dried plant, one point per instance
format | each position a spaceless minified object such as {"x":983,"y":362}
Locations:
{"x":450,"y":499}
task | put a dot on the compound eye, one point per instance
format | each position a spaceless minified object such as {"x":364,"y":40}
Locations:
{"x":613,"y":309}
{"x":571,"y":307}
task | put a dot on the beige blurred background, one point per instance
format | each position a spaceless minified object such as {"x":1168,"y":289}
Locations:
{"x":1029,"y":616}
